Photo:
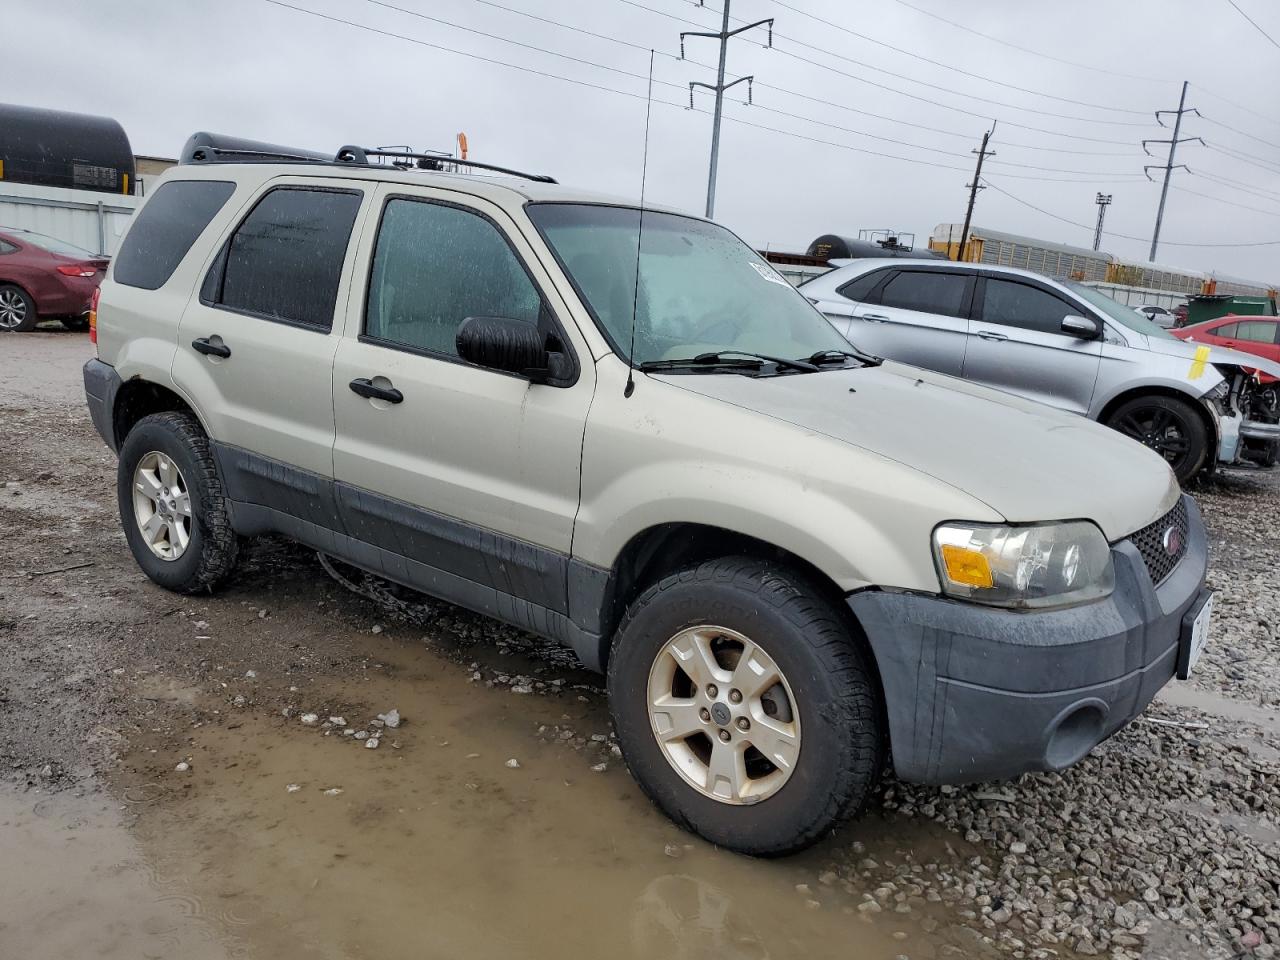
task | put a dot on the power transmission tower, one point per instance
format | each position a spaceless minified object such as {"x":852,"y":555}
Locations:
{"x":720,"y":87}
{"x":975,"y":186}
{"x":1169,"y":164}
{"x":1103,"y":201}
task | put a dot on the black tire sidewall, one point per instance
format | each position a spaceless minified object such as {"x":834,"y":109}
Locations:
{"x":783,"y":822}
{"x":154,"y":434}
{"x":32,"y":318}
{"x":1197,"y":433}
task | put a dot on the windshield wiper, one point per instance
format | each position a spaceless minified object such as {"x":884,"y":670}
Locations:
{"x":725,"y":359}
{"x":828,"y":356}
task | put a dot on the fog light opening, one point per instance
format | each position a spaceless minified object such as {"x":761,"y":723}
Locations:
{"x":1077,"y":731}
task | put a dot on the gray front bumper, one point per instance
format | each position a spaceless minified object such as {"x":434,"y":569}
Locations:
{"x":978,"y":693}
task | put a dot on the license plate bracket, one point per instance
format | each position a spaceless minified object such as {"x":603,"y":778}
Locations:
{"x":1194,"y":634}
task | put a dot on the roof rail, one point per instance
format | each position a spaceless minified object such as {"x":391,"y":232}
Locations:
{"x":216,"y":148}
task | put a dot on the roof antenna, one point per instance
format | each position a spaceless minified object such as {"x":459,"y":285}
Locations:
{"x":635,"y":298}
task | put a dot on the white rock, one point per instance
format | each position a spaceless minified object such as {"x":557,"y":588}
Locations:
{"x":293,"y":788}
{"x":309,"y":718}
{"x":362,"y":734}
{"x":513,"y":763}
{"x":376,"y":628}
{"x":251,"y":674}
{"x":333,"y":791}
{"x":183,"y":767}
{"x":391,"y":718}
{"x":338,"y":721}
{"x":371,"y":743}
{"x":599,"y":767}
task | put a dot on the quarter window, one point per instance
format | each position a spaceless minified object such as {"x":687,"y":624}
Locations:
{"x":434,"y":266}
{"x":284,"y":261}
{"x":1014,"y":304}
{"x":164,"y":230}
{"x":860,"y":288}
{"x":927,"y":291}
{"x":6,"y":247}
{"x":1227,"y":331}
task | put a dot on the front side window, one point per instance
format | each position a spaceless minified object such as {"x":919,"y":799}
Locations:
{"x":1014,"y":304}
{"x":701,"y":289}
{"x":434,"y":266}
{"x":165,"y":228}
{"x":926,"y":291}
{"x":284,"y":262}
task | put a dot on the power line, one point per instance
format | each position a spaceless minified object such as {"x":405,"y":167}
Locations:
{"x":1236,"y":185}
{"x":1230,"y":203}
{"x":1239,"y":132}
{"x":1238,"y":106}
{"x":1123,"y":236}
{"x":1034,"y":53}
{"x":1256,"y":26}
{"x":1270,"y":166}
{"x":947,"y":66}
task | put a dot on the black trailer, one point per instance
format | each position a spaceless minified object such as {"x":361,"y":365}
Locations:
{"x":53,"y":148}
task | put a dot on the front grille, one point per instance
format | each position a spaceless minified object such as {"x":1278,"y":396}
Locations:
{"x":1150,"y":541}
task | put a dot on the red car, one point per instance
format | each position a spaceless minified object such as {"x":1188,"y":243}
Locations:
{"x":43,"y":278}
{"x":1257,"y":335}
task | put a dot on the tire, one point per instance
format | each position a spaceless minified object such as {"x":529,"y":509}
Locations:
{"x":828,"y":684}
{"x":78,"y":324}
{"x":1171,"y":427}
{"x":208,"y":544}
{"x":17,"y":310}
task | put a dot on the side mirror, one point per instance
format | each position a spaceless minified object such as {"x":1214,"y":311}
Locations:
{"x":1085,"y":328}
{"x":501,"y":343}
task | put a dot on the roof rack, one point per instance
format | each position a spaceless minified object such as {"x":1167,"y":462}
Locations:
{"x":215,"y":148}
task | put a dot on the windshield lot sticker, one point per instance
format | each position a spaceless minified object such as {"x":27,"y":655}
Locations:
{"x":1197,"y":365}
{"x":769,"y":274}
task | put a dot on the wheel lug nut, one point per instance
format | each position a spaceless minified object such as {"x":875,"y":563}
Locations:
{"x":724,"y":735}
{"x":744,"y":723}
{"x":705,"y":714}
{"x":735,"y":696}
{"x":712,"y":692}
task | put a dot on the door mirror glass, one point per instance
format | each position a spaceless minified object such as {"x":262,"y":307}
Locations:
{"x":1085,"y":328}
{"x":502,"y":343}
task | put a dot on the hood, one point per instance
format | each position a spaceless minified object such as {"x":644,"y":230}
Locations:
{"x":1026,"y":461}
{"x":1218,"y":356}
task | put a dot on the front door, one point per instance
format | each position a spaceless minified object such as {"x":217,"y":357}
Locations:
{"x":1016,"y":344}
{"x":467,"y":472}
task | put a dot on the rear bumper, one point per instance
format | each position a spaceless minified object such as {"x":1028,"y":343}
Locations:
{"x":101,"y":383}
{"x":977,"y":693}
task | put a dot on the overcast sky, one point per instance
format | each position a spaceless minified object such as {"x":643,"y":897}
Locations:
{"x":166,"y":68}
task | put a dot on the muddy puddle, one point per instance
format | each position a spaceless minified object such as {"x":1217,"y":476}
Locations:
{"x":286,"y":839}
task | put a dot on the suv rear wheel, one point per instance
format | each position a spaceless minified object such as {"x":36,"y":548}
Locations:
{"x":172,"y":506}
{"x":1169,"y":426}
{"x":744,"y":707}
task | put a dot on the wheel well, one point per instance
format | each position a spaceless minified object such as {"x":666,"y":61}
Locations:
{"x":140,"y":398}
{"x":654,"y":553}
{"x":1154,"y":391}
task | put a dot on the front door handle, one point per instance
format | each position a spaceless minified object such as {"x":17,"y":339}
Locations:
{"x":209,"y":349}
{"x":872,"y":317}
{"x":367,"y":388}
{"x":992,"y":336}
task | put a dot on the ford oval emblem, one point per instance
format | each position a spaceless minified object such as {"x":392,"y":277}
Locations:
{"x":1172,"y":541}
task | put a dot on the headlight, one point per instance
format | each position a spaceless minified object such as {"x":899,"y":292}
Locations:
{"x":1040,"y":566}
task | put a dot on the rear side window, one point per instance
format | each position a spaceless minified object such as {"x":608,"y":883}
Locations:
{"x":1227,"y":331}
{"x":6,"y":247}
{"x":434,"y":266}
{"x":1256,"y":331}
{"x":928,"y":291}
{"x":284,"y":261}
{"x":860,"y":288}
{"x":1015,"y":304}
{"x":165,"y":228}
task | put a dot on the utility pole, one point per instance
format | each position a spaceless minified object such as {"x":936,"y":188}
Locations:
{"x":1169,"y":164}
{"x":974,"y":187}
{"x":1103,"y":201}
{"x":720,"y":87}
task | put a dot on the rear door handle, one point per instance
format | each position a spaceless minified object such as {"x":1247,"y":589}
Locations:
{"x":871,"y":317}
{"x":991,"y":335}
{"x":366,"y":388}
{"x":209,"y":349}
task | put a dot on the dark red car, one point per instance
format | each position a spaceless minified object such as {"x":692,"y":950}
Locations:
{"x":42,"y":278}
{"x":1256,"y":335}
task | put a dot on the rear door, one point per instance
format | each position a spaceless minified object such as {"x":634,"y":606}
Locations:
{"x":1256,"y":336}
{"x":256,"y":345}
{"x":913,"y":315}
{"x":1016,"y":344}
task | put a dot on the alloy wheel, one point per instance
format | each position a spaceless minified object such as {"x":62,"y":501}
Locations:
{"x":1161,"y":429}
{"x":13,"y":309}
{"x":162,"y":505}
{"x":724,"y":715}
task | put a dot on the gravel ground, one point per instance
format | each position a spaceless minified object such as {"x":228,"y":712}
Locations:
{"x":1164,"y":843}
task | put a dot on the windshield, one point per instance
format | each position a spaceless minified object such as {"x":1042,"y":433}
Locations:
{"x":53,"y":245}
{"x":1117,"y":311}
{"x":702,"y":290}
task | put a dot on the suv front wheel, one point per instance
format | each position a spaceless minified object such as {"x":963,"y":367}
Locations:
{"x":744,"y":707}
{"x":172,"y":505}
